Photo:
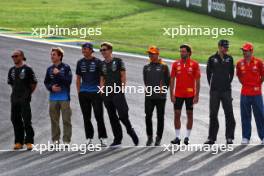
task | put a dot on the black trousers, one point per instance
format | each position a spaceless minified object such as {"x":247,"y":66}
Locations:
{"x":117,"y":104}
{"x":21,"y":120}
{"x":150,"y":104}
{"x":87,"y":102}
{"x":226,"y":99}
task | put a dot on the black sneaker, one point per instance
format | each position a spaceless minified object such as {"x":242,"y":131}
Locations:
{"x":186,"y":141}
{"x":149,"y":141}
{"x":209,"y":142}
{"x":229,"y":141}
{"x":134,"y":137}
{"x":115,"y":144}
{"x":158,"y":140}
{"x":176,"y":141}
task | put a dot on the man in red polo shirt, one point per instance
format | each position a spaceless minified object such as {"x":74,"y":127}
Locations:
{"x":250,"y":72}
{"x":187,"y":74}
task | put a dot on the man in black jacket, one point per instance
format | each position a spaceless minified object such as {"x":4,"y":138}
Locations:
{"x":220,"y":73}
{"x":156,"y":76}
{"x":23,"y":81}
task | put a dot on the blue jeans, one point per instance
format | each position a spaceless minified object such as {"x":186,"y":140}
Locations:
{"x":247,"y":104}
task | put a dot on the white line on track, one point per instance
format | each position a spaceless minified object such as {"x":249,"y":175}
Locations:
{"x":78,"y":47}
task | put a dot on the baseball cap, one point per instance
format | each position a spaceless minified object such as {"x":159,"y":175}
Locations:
{"x":247,"y":46}
{"x":223,"y":43}
{"x":88,"y":45}
{"x":153,"y":50}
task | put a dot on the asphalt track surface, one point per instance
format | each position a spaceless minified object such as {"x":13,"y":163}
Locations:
{"x":127,"y":160}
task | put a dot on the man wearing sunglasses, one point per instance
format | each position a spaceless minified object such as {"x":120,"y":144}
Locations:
{"x":23,"y":81}
{"x":113,"y":73}
{"x":250,"y":72}
{"x":88,"y":81}
{"x":156,"y":76}
{"x":220,"y":73}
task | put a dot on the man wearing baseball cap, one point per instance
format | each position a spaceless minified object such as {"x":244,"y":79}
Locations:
{"x":220,"y":73}
{"x":23,"y":81}
{"x":250,"y":72}
{"x":156,"y":76}
{"x":186,"y":71}
{"x":88,"y":79}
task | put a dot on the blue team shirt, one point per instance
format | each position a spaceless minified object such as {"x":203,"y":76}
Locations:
{"x":62,"y":79}
{"x":89,"y":70}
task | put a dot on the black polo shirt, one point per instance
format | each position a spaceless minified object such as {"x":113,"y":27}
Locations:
{"x":21,"y":80}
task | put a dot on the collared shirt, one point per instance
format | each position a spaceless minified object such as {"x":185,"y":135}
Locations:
{"x":63,"y":80}
{"x":89,"y":71}
{"x":111,"y":71}
{"x":156,"y":75}
{"x":220,"y":72}
{"x":21,"y":79}
{"x":250,"y":74}
{"x":186,"y":75}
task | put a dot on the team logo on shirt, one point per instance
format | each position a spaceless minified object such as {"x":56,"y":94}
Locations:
{"x":215,"y":60}
{"x":22,"y":74}
{"x":104,"y":69}
{"x":254,"y":69}
{"x":83,"y":67}
{"x":62,"y":71}
{"x":92,"y":67}
{"x":13,"y":74}
{"x":148,"y":68}
{"x":190,"y":69}
{"x":114,"y":66}
{"x":158,"y":68}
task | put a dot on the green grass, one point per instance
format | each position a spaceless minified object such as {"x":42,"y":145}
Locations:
{"x":131,"y":25}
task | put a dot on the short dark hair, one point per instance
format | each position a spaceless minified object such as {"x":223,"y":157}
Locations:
{"x":187,"y":47}
{"x":108,"y":45}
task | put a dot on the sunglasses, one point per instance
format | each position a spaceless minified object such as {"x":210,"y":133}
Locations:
{"x":15,"y":56}
{"x":101,"y":50}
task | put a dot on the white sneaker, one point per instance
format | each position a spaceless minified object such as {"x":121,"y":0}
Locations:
{"x":245,"y":141}
{"x":103,"y":142}
{"x":89,"y":141}
{"x":262,"y":141}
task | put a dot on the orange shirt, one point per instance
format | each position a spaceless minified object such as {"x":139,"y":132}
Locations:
{"x":186,"y":74}
{"x":250,"y":75}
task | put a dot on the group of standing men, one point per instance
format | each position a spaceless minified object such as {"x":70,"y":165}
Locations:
{"x":93,"y":75}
